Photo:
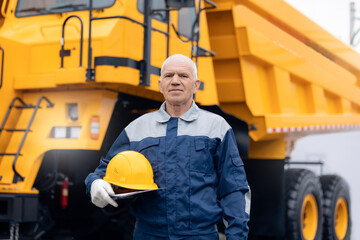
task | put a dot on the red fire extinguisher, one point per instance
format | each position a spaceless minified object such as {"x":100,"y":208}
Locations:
{"x":64,"y":193}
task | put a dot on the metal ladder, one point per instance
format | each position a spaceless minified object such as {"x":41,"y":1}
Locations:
{"x":17,"y":176}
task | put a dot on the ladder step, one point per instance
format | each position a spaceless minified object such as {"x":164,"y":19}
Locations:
{"x":25,"y":106}
{"x":8,"y":154}
{"x":14,"y":130}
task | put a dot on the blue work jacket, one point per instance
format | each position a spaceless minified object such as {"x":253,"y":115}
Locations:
{"x":196,"y":164}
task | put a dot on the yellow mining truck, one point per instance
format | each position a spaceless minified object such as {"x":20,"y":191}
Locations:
{"x":74,"y":73}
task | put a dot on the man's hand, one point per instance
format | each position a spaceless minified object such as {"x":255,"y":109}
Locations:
{"x":100,"y":193}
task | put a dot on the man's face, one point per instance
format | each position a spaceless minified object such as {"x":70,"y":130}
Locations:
{"x":177,"y":82}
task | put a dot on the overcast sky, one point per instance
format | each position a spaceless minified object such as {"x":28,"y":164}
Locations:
{"x":340,"y":151}
{"x":332,"y":15}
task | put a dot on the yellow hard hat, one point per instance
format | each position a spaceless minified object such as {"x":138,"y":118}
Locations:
{"x":130,"y":169}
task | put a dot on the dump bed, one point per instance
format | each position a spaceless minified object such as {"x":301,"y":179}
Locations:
{"x":282,"y":73}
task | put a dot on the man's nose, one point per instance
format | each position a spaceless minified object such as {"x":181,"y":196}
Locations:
{"x":175,"y":79}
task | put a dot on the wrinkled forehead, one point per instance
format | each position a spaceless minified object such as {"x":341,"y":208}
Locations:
{"x":177,"y":65}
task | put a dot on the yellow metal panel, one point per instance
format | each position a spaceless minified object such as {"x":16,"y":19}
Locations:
{"x":282,"y":14}
{"x":218,"y":43}
{"x":254,"y":78}
{"x":7,"y":93}
{"x":243,"y":41}
{"x":38,"y":141}
{"x":38,"y":40}
{"x":286,"y":84}
{"x":269,"y":91}
{"x":355,"y":109}
{"x":333,"y":103}
{"x":282,"y":91}
{"x":270,"y":149}
{"x":346,"y":106}
{"x":318,"y":98}
{"x":221,"y":23}
{"x":69,"y":75}
{"x":278,"y":48}
{"x":25,"y":81}
{"x":229,"y":81}
{"x":223,"y":5}
{"x":241,"y":111}
{"x":118,"y":75}
{"x":302,"y":96}
{"x":208,"y":96}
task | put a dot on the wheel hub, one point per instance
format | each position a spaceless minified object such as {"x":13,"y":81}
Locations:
{"x":341,"y":218}
{"x":309,"y":220}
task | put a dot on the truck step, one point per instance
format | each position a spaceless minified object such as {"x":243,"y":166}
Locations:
{"x":9,"y":154}
{"x":15,"y":130}
{"x":25,"y":106}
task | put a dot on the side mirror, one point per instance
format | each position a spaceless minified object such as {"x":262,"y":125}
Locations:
{"x":180,"y":3}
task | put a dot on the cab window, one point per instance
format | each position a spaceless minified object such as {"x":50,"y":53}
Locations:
{"x":155,"y":4}
{"x":186,"y":20}
{"x":27,"y":8}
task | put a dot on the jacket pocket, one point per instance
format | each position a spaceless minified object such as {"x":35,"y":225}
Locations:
{"x":201,"y":156}
{"x":238,"y":171}
{"x":147,"y":143}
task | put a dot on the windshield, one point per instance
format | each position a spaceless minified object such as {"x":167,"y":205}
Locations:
{"x":26,"y":8}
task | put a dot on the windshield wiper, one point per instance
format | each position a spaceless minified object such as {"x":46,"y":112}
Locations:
{"x":69,"y":5}
{"x":32,"y":9}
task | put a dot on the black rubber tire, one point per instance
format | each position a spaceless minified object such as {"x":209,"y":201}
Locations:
{"x":334,"y":187}
{"x":299,"y":184}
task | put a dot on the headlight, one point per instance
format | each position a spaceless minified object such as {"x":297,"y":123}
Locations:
{"x":65,"y":132}
{"x":59,"y":132}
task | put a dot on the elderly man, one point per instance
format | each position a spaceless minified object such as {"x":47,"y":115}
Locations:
{"x":195,"y":161}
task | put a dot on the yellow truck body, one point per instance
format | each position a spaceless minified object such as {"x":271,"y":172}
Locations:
{"x":271,"y":72}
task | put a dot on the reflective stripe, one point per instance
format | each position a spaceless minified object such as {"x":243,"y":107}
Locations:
{"x":312,"y":128}
{"x":248,"y":201}
{"x":225,"y":223}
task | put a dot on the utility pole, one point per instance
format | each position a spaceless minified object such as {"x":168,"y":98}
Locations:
{"x":352,"y":14}
{"x":353,"y":31}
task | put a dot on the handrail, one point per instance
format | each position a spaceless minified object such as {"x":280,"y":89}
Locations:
{"x":130,"y":19}
{"x":197,"y":21}
{"x":3,"y":6}
{"x":62,"y":51}
{"x":144,"y":77}
{"x":9,"y":109}
{"x":319,"y":163}
{"x":212,"y":4}
{"x":144,"y":74}
{"x":17,"y":176}
{"x":2,"y":66}
{"x":90,"y":72}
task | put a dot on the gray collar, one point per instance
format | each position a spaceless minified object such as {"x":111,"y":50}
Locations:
{"x":192,"y":114}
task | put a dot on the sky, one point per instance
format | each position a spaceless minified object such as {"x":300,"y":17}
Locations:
{"x":340,"y":151}
{"x":332,"y":15}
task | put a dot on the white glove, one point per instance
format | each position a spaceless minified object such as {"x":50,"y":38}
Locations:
{"x":100,"y":193}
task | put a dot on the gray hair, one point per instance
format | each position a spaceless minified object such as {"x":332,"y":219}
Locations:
{"x":193,"y":65}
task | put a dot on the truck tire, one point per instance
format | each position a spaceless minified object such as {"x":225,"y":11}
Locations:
{"x":303,"y":205}
{"x":336,"y":205}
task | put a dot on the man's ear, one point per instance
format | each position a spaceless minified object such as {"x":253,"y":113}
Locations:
{"x":160,"y":86}
{"x":197,"y":85}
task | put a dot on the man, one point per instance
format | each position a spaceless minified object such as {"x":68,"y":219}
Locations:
{"x":195,"y":161}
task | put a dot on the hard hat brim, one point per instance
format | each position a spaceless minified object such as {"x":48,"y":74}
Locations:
{"x":134,"y":186}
